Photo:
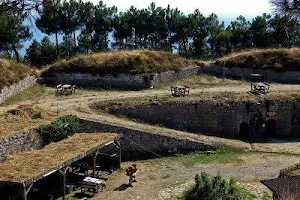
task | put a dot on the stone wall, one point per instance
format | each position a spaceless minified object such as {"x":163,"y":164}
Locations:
{"x":21,"y":142}
{"x":137,"y":144}
{"x":123,"y":81}
{"x":222,"y":118}
{"x":292,"y":77}
{"x":16,"y":88}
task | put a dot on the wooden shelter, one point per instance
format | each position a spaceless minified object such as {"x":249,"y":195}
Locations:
{"x":21,"y":170}
{"x":283,"y":187}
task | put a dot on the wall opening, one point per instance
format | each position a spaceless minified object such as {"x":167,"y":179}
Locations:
{"x":271,"y":127}
{"x":244,"y":129}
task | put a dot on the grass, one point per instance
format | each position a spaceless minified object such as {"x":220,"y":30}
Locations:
{"x":12,"y":72}
{"x":222,"y":155}
{"x":200,"y":81}
{"x":128,"y":62}
{"x":276,"y":59}
{"x":31,"y":93}
{"x":22,"y":118}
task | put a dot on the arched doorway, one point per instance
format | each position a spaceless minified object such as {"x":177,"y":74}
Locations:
{"x":271,"y":128}
{"x":244,"y":129}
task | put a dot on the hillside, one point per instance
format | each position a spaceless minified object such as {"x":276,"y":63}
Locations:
{"x":277,"y":59}
{"x":11,"y":72}
{"x":128,"y":62}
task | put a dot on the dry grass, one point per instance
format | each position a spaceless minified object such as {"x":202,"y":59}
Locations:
{"x":112,"y":106}
{"x":22,"y":166}
{"x":201,"y":81}
{"x":12,"y":72}
{"x":128,"y":62}
{"x":24,"y":117}
{"x":277,"y":59}
{"x":32,"y":93}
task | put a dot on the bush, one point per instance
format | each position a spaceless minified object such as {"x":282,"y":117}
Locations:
{"x":207,"y":188}
{"x":60,"y":129}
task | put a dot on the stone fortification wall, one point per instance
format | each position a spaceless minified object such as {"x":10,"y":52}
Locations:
{"x":16,"y":88}
{"x":21,"y":142}
{"x":123,"y":81}
{"x":223,"y":118}
{"x":137,"y":144}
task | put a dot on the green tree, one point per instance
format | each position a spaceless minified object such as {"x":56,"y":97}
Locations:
{"x":287,"y":7}
{"x":260,"y":31}
{"x":13,"y":32}
{"x":50,"y":19}
{"x":48,"y":51}
{"x":67,"y":47}
{"x":285,"y":31}
{"x":34,"y":53}
{"x":70,"y":18}
{"x":240,"y":29}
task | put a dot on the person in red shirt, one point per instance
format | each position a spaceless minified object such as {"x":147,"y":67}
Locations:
{"x":131,"y":171}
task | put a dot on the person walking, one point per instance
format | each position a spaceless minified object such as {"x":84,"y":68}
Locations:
{"x":131,"y":171}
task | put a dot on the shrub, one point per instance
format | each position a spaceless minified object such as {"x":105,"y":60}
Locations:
{"x":207,"y":188}
{"x":60,"y":129}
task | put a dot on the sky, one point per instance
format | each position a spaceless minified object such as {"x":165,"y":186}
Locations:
{"x":220,"y":7}
{"x":227,"y":10}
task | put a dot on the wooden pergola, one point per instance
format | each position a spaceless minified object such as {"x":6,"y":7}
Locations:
{"x":21,"y":170}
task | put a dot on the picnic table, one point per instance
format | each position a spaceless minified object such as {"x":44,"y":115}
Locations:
{"x":92,"y":184}
{"x":65,"y":89}
{"x":180,"y":90}
{"x":258,"y":86}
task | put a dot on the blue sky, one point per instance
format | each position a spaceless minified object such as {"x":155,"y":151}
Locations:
{"x":227,"y":10}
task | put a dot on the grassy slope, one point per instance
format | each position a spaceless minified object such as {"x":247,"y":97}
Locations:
{"x":277,"y":59}
{"x":11,"y":72}
{"x":129,"y":62}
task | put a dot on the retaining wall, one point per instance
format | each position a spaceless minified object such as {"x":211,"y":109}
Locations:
{"x":16,"y":88}
{"x":222,"y":118}
{"x":137,"y":144}
{"x":123,"y":81}
{"x":23,"y":141}
{"x":292,"y":77}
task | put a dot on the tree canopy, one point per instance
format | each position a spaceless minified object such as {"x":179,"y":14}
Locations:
{"x":88,"y":27}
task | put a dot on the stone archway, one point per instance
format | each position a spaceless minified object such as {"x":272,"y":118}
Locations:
{"x":244,"y":129}
{"x":271,"y":126}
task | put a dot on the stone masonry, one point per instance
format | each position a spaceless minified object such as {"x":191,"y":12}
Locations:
{"x":224,"y":118}
{"x":16,"y":88}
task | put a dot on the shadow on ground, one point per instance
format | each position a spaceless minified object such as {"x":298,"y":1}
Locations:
{"x":122,"y":187}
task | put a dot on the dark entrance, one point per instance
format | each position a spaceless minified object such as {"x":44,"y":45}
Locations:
{"x":271,"y":128}
{"x":244,"y":129}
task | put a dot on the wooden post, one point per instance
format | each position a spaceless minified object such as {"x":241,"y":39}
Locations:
{"x":63,"y":173}
{"x":94,"y":161}
{"x":119,"y":146}
{"x":24,"y":193}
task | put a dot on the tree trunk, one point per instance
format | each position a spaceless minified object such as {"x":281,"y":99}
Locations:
{"x":56,"y":40}
{"x":74,"y":39}
{"x":16,"y":52}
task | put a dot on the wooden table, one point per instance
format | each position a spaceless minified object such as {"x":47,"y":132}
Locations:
{"x":180,"y":90}
{"x":93,"y":184}
{"x":260,"y":88}
{"x":65,"y":89}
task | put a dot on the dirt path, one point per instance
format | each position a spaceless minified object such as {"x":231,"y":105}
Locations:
{"x":79,"y":104}
{"x":159,"y":179}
